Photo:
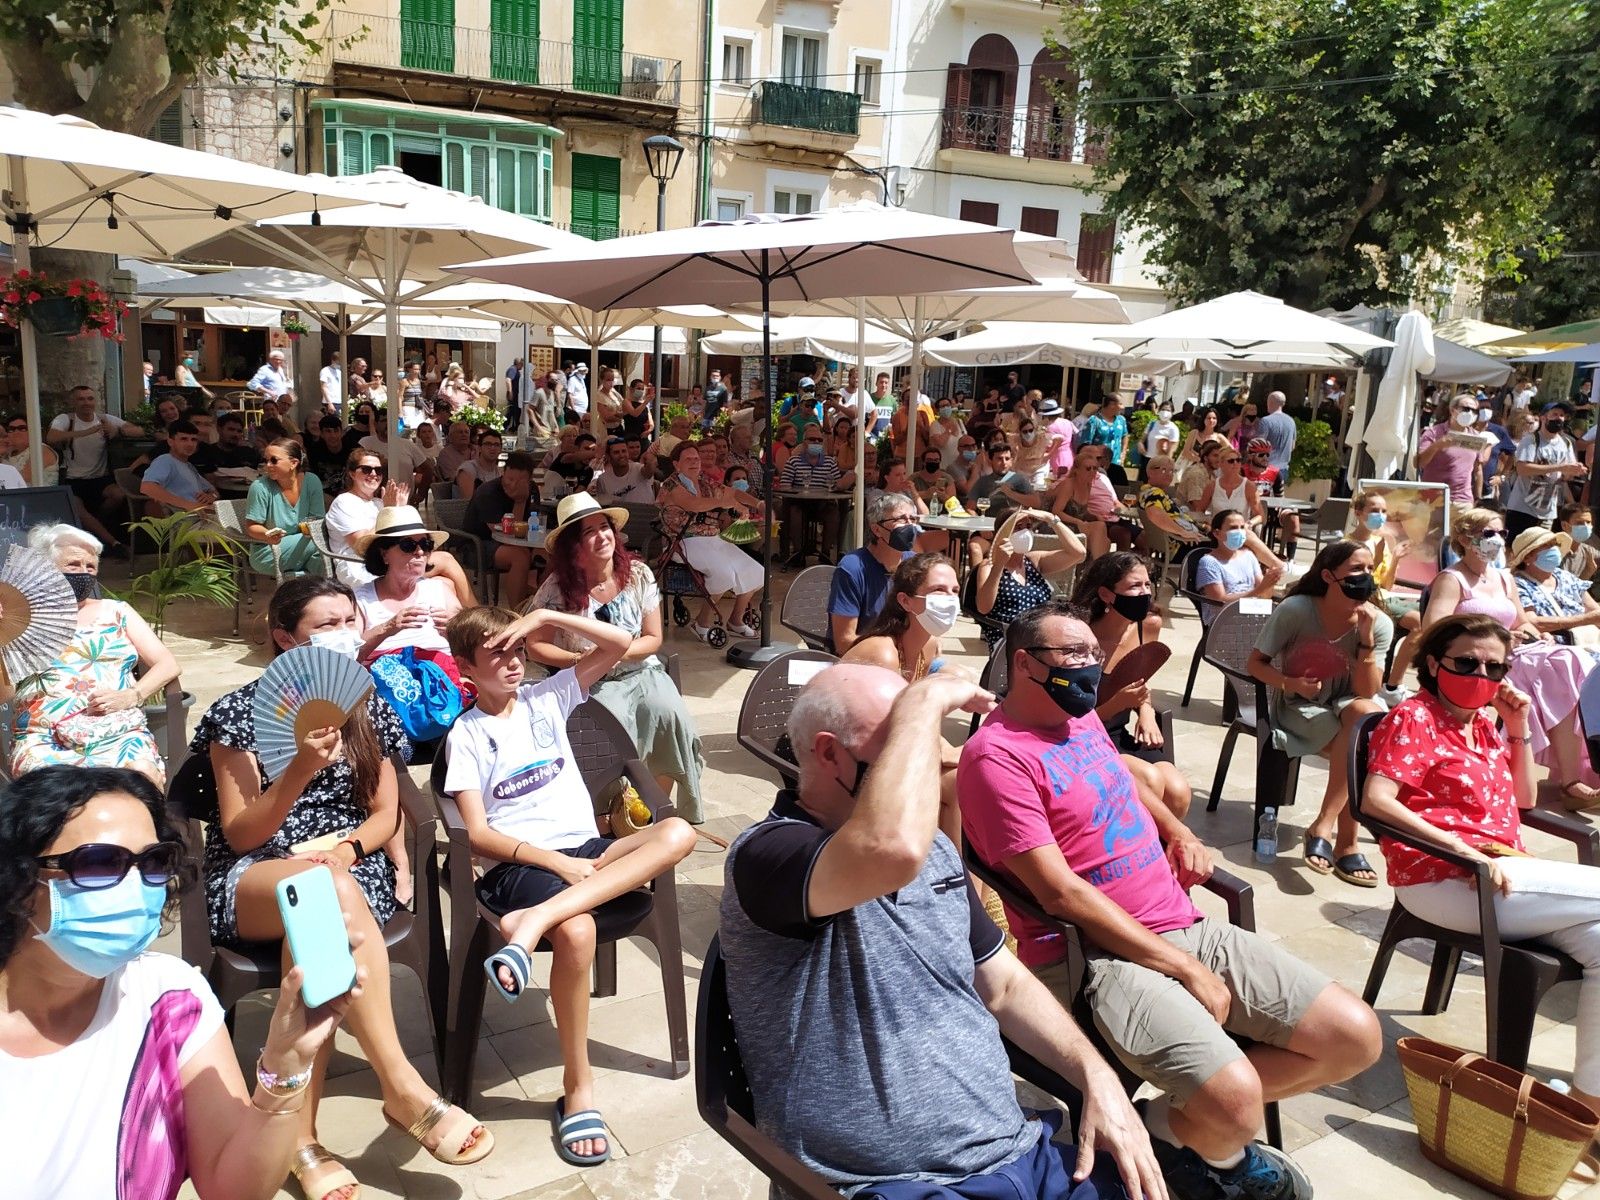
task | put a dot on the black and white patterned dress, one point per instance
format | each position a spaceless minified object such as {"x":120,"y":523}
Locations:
{"x":327,"y":805}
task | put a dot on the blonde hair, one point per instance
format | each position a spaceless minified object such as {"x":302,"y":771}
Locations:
{"x":52,"y":540}
{"x":1363,"y":499}
{"x":1468,"y":524}
{"x":470,"y":628}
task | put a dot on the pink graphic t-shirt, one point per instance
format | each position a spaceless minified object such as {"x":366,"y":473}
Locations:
{"x":1021,"y":788}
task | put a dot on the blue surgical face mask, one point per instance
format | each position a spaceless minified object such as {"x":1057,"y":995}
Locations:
{"x":969,"y":456}
{"x":1234,"y":539}
{"x":96,"y":930}
{"x":1580,"y":533}
{"x":1377,"y":520}
{"x":814,"y":449}
{"x":1548,"y":559}
{"x":740,"y":485}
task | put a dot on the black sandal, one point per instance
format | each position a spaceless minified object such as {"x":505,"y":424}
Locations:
{"x":1346,"y":868}
{"x":1319,"y":848}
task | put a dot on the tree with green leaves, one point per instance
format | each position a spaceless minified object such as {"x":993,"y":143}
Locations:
{"x":1327,"y":152}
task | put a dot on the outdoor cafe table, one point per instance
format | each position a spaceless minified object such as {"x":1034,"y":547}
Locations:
{"x":961,"y":528}
{"x":814,"y":496}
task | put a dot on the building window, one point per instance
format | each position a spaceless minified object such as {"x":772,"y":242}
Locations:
{"x":596,"y":195}
{"x":984,"y":212}
{"x":509,"y":164}
{"x":1040,"y":220}
{"x":428,"y":35}
{"x":790,"y":203}
{"x":168,"y":128}
{"x":736,"y":61}
{"x":869,"y":73}
{"x":597,"y":46}
{"x":729,"y":208}
{"x":802,"y":60}
{"x":1097,"y":240}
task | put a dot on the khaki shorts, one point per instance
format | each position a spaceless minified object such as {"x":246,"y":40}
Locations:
{"x":1164,"y":1035}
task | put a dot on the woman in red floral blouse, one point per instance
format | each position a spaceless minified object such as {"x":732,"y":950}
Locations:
{"x":1440,"y":769}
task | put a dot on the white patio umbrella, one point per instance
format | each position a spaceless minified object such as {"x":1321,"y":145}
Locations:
{"x":1245,"y":326}
{"x":1389,"y":432}
{"x":1051,"y":343}
{"x":65,"y":182}
{"x":397,"y":248}
{"x":768,"y":260}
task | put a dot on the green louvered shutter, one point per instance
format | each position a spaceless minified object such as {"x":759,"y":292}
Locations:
{"x":428,"y":35}
{"x":597,"y":46}
{"x":514,"y":40}
{"x":168,"y":128}
{"x":596,"y":195}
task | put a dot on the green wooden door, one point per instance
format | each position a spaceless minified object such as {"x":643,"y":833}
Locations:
{"x":596,"y":195}
{"x":428,"y":35}
{"x":514,"y":40}
{"x":597,"y":46}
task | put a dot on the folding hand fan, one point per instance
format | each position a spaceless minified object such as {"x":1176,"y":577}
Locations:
{"x":38,"y":612}
{"x":304,"y":689}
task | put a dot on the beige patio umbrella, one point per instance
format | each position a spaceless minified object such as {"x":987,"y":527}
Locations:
{"x":840,"y":253}
{"x":65,"y":182}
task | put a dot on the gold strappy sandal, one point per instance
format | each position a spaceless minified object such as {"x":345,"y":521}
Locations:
{"x":313,"y":1156}
{"x":453,"y":1134}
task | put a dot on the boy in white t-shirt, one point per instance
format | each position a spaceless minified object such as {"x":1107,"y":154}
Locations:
{"x":527,"y":808}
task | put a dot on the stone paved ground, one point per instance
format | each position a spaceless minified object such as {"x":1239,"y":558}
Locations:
{"x":1355,"y":1140}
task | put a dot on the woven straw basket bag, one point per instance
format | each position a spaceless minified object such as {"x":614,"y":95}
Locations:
{"x":1493,"y":1124}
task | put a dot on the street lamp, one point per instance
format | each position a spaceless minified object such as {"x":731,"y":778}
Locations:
{"x":662,"y":154}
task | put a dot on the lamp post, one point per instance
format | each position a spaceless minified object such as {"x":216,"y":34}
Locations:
{"x":662,"y":154}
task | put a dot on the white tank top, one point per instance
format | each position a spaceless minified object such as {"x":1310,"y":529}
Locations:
{"x":1222,"y":501}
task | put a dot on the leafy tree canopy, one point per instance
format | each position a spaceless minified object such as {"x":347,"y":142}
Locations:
{"x":119,"y":63}
{"x":1328,"y":152}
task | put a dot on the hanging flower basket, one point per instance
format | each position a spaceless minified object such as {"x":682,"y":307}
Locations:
{"x":60,"y":307}
{"x":293,"y":326}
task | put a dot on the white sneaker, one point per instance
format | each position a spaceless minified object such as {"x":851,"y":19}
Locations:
{"x":1293,"y":571}
{"x":744,"y":631}
{"x":1393,"y":696}
{"x":701,"y":632}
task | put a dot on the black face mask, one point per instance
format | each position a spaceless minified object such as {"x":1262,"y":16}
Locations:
{"x":84,"y":585}
{"x":1074,"y":690}
{"x":1134,"y":608}
{"x":930,"y":466}
{"x":1554,"y":426}
{"x":1358,"y":587}
{"x":904,"y":537}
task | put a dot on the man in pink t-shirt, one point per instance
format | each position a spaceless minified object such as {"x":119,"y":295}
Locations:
{"x":1046,"y":799}
{"x":1450,"y":452}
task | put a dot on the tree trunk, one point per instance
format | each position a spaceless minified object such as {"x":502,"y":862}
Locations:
{"x":64,"y":363}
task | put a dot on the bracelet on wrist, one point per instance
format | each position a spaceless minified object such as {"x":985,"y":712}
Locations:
{"x":281,"y":1086}
{"x":1513,"y":739}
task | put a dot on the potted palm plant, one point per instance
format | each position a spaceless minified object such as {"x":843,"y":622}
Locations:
{"x":193,"y":561}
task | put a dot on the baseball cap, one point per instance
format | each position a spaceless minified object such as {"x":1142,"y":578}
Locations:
{"x":807,"y":384}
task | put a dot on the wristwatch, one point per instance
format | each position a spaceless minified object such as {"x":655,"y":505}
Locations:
{"x":355,"y":844}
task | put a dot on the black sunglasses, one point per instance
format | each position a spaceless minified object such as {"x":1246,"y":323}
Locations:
{"x":364,"y":469}
{"x":98,"y":865}
{"x":1468,"y":664}
{"x":412,"y":545}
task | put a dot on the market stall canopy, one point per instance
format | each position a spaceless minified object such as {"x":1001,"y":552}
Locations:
{"x":1051,"y":343}
{"x":1246,"y":327}
{"x":832,"y":338}
{"x":1476,"y":335}
{"x":1556,"y":337}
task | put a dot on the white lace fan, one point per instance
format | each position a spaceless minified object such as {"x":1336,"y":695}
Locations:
{"x":304,"y":689}
{"x":38,"y":612}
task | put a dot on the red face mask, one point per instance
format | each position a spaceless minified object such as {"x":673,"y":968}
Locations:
{"x":1471,"y":692}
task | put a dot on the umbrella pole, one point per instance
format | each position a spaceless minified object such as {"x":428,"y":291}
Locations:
{"x":754,"y":655}
{"x":916,"y":382}
{"x":857,"y":501}
{"x":391,"y":342}
{"x":344,"y":366}
{"x":23,"y":258}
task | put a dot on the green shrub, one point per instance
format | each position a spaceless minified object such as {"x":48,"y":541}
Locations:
{"x":1315,"y":456}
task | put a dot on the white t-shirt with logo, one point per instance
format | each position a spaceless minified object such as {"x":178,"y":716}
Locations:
{"x":86,"y":456}
{"x":523,"y":766}
{"x":109,"y":1106}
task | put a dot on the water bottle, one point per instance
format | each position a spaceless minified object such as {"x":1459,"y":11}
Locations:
{"x":1267,"y":836}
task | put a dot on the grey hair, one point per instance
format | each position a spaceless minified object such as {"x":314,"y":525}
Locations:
{"x":886,"y":506}
{"x":1275,"y":400}
{"x":816,"y":709}
{"x":1161,"y":462}
{"x":53,"y":540}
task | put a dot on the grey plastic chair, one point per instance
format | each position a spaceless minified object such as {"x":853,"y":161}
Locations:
{"x":229,"y":516}
{"x":764,"y":714}
{"x":805,"y":606}
{"x":1229,"y":641}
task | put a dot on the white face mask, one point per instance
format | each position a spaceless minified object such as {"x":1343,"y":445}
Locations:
{"x":341,"y":641}
{"x":1465,"y":419}
{"x":1022,"y":540}
{"x":939,"y":612}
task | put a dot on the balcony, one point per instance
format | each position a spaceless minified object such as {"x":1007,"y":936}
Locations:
{"x":1040,"y":133}
{"x":386,"y":47}
{"x":808,"y":118}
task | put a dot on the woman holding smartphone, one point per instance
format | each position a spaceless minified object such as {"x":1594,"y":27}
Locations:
{"x":90,"y":866}
{"x":341,"y":783}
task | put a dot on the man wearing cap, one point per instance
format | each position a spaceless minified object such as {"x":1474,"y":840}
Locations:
{"x":1546,"y":459}
{"x":578,"y":393}
{"x":1269,"y":481}
{"x":622,"y":479}
{"x":801,"y":408}
{"x":271,"y":379}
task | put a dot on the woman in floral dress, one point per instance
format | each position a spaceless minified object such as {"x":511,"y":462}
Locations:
{"x":84,"y":710}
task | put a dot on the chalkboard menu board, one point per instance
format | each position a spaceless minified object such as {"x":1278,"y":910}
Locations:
{"x":23,"y":508}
